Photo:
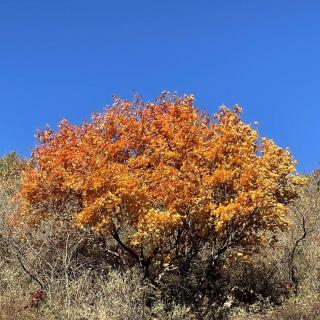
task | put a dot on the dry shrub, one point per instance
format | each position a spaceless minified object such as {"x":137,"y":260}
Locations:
{"x":297,"y":259}
{"x":305,"y":306}
{"x":117,"y":296}
{"x":14,"y":292}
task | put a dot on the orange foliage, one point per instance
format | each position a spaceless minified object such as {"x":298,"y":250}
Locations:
{"x":166,"y":173}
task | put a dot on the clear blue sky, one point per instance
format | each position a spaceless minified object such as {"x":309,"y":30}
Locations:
{"x":65,"y":59}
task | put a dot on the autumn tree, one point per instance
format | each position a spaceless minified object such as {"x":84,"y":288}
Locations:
{"x":163,"y":179}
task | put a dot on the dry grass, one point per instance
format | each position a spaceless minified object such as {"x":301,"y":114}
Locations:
{"x":118,"y":296}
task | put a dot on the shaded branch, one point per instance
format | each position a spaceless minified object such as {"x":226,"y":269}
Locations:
{"x":292,"y":269}
{"x":22,"y":265}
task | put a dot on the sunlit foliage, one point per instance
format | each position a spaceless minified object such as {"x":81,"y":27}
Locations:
{"x":162,"y":178}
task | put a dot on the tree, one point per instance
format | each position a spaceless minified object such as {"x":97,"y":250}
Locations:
{"x":162,"y":179}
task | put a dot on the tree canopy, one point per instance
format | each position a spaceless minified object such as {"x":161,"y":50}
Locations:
{"x":162,"y":178}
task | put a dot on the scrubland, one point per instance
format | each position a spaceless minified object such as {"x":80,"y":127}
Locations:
{"x":54,"y":268}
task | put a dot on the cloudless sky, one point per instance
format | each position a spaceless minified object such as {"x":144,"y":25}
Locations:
{"x":66,"y":58}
